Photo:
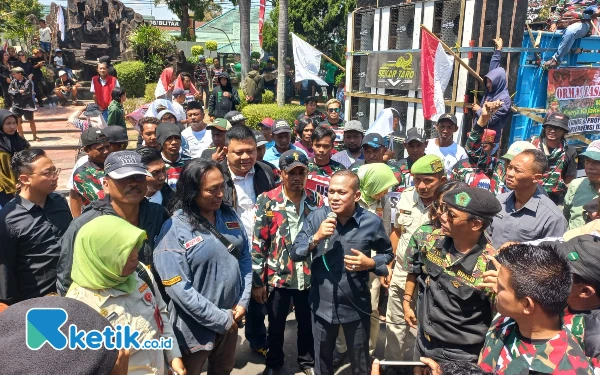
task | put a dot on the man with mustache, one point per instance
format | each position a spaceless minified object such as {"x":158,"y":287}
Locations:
{"x":125,"y":187}
{"x":245,"y":179}
{"x":30,"y":229}
{"x":280,"y":215}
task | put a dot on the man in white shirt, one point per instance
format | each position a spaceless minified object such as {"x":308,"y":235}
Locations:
{"x":196,"y":137}
{"x":45,"y":37}
{"x":444,"y":145}
{"x":178,"y":101}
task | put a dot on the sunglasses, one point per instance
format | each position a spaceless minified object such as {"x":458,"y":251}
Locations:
{"x":333,"y":110}
{"x":451,"y":215}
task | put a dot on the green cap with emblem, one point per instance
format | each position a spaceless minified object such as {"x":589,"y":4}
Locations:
{"x":428,"y":164}
{"x":476,"y":201}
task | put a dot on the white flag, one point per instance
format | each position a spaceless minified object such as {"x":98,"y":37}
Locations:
{"x":307,"y":61}
{"x":60,"y":20}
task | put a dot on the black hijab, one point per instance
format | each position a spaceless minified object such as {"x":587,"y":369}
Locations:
{"x":10,"y":143}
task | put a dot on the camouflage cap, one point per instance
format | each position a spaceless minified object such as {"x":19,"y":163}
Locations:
{"x":476,"y":201}
{"x":428,"y":164}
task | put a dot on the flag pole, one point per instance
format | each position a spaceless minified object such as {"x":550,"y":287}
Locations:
{"x":322,"y":54}
{"x":532,"y":116}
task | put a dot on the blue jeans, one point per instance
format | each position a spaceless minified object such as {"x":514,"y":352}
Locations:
{"x":256,"y":332}
{"x":105,"y":114}
{"x":45,"y":46}
{"x":573,"y":32}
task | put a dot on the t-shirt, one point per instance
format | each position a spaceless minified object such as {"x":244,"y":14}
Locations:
{"x":451,"y":154}
{"x":319,"y":176}
{"x":81,"y":161}
{"x":68,"y":83}
{"x":179,"y":111}
{"x":45,"y":34}
{"x":58,"y":62}
{"x":87,"y":181}
{"x":330,"y":70}
{"x":194,"y":143}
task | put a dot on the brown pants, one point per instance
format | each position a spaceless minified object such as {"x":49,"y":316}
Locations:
{"x":220,"y":360}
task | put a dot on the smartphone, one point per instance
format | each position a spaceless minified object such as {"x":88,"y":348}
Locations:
{"x":404,"y":367}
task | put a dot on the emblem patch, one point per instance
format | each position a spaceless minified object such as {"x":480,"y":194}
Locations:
{"x":172,"y":281}
{"x":232,"y":225}
{"x":193,"y":241}
{"x":462,"y":199}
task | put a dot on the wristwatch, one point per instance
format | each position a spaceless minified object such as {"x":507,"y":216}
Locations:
{"x":312,"y":242}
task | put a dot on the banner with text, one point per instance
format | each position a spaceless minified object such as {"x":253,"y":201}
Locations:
{"x":394,"y":70}
{"x":576,"y":93}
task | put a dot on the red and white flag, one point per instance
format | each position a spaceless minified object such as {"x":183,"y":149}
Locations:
{"x":436,"y":69}
{"x":261,"y":20}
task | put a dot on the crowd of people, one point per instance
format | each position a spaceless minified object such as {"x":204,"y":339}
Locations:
{"x":474,"y":262}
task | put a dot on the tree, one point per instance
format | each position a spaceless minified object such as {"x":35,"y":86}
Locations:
{"x":324,"y":26}
{"x":16,"y":22}
{"x":282,"y":38}
{"x":245,"y":36}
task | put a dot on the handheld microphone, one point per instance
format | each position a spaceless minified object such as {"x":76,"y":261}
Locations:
{"x":331,"y":215}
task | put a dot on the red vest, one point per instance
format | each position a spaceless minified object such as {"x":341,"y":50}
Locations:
{"x":103,"y":93}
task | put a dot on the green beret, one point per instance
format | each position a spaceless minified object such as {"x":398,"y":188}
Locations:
{"x":428,"y":164}
{"x":476,"y":201}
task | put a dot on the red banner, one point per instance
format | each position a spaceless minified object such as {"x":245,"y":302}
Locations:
{"x":261,"y":20}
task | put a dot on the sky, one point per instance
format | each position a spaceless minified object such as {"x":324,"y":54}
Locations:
{"x":147,"y":7}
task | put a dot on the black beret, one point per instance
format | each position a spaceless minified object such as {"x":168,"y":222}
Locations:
{"x":17,"y":358}
{"x":582,"y":252}
{"x":476,"y":201}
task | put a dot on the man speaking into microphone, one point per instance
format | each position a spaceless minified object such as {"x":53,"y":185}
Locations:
{"x":341,"y":251}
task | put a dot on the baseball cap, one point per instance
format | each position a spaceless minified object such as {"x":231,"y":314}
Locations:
{"x":353,"y":125}
{"x":121,"y":164}
{"x":116,"y":134}
{"x":557,"y":119}
{"x":593,"y":151}
{"x":92,"y":136}
{"x":374,"y":140}
{"x":414,"y":134}
{"x":260,"y":139}
{"x":281,"y":126}
{"x":268,"y":122}
{"x":57,"y":50}
{"x":447,"y":116}
{"x":516,"y":149}
{"x":92,"y":110}
{"x":178,"y":91}
{"x":584,"y":257}
{"x":234,"y":116}
{"x":219,"y":124}
{"x":292,"y":159}
{"x":61,"y":73}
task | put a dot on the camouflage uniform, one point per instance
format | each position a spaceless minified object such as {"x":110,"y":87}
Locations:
{"x":87,"y":181}
{"x":412,"y":256}
{"x":272,"y":241}
{"x":480,"y":169}
{"x":319,"y":176}
{"x":453,"y":314}
{"x":401,"y":169}
{"x":584,"y":326}
{"x":569,"y":8}
{"x":504,"y":351}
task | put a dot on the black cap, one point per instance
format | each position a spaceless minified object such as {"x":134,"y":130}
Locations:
{"x":177,"y":91}
{"x":234,"y":117}
{"x":559,"y":120}
{"x":18,"y":358}
{"x":414,"y":134}
{"x":281,"y":126}
{"x":116,"y":134}
{"x":449,"y":117}
{"x":165,"y":130}
{"x":591,"y":206}
{"x":476,"y":201}
{"x":292,"y":159}
{"x":92,"y":136}
{"x":582,"y":252}
{"x":374,"y":140}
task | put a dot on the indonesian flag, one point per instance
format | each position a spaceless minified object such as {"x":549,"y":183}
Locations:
{"x":436,"y":69}
{"x":261,"y":20}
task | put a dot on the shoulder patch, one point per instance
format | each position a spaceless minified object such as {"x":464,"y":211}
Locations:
{"x":172,"y":281}
{"x":143,"y":287}
{"x":193,"y":241}
{"x":232,"y":225}
{"x":405,"y":212}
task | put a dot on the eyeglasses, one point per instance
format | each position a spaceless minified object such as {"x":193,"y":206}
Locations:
{"x":333,"y":110}
{"x":50,"y":173}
